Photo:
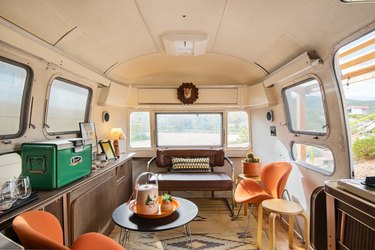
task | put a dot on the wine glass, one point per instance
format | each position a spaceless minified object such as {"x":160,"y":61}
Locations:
{"x":8,"y":193}
{"x":23,"y":187}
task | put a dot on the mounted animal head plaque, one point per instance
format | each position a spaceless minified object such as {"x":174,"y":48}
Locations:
{"x":187,"y":93}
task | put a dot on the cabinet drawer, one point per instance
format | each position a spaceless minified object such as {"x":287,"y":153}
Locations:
{"x":121,"y":171}
{"x":91,"y":185}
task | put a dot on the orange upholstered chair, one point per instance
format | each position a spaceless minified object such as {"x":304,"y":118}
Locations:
{"x":95,"y":241}
{"x":273,"y":176}
{"x":42,"y":230}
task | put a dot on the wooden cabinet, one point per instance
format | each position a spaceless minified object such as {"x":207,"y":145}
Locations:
{"x":56,"y":207}
{"x":124,"y":185}
{"x":85,"y":205}
{"x":91,"y":206}
{"x":350,"y":219}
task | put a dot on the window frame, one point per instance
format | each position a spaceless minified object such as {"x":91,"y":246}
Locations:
{"x":227,"y":130}
{"x":335,"y":65}
{"x":310,"y":166}
{"x":222,"y":133}
{"x":150,"y":127}
{"x":26,"y":99}
{"x":87,"y":108}
{"x":301,"y":81}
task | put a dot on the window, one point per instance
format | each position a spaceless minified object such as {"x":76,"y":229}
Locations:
{"x":189,"y":129}
{"x":305,"y":108}
{"x":317,"y":157}
{"x":140,"y":130}
{"x":15,"y":96}
{"x":356,"y":73}
{"x":68,"y":105}
{"x":238,"y":129}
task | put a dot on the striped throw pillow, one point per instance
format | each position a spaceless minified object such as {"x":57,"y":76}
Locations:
{"x":191,"y":165}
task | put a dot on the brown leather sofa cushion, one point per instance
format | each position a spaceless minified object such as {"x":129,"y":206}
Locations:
{"x":164,"y":156}
{"x":216,"y":181}
{"x":180,"y":181}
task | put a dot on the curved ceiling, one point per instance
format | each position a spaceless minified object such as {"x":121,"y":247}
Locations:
{"x":161,"y":69}
{"x":121,"y":39}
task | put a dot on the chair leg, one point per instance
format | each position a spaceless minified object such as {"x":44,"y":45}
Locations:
{"x":247,"y":225}
{"x":238,"y":212}
{"x":233,"y":203}
{"x":291,"y":230}
{"x":260,"y":221}
{"x":272,"y":230}
{"x":251,"y":208}
{"x":230,"y":207}
{"x":307,"y":230}
{"x":233,"y":200}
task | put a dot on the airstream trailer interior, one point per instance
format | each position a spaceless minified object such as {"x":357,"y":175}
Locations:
{"x":175,"y":124}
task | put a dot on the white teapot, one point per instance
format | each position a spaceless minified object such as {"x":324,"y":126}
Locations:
{"x":146,"y":201}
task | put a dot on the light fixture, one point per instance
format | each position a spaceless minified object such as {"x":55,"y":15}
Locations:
{"x":187,"y":44}
{"x":116,"y":134}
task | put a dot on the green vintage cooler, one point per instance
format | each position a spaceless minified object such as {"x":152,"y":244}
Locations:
{"x":55,"y":163}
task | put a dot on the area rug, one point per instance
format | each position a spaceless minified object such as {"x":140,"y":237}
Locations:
{"x":212,"y":229}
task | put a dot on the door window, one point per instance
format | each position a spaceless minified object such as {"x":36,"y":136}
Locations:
{"x":305,"y":108}
{"x":314,"y":156}
{"x":356,"y":75}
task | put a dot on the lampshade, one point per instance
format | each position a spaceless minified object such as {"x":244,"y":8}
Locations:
{"x":185,"y":44}
{"x":116,"y":134}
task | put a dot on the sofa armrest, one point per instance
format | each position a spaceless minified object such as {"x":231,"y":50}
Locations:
{"x":231,"y":167}
{"x":149,"y":163}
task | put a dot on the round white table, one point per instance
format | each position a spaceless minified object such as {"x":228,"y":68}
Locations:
{"x":126,"y":219}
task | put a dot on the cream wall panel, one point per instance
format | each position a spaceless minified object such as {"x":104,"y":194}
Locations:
{"x":256,"y":96}
{"x":16,"y":37}
{"x":219,"y":96}
{"x":117,"y":95}
{"x":33,"y":15}
{"x":205,"y":96}
{"x":157,"y":96}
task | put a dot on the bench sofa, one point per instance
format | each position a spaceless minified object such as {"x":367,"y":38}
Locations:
{"x":218,"y":179}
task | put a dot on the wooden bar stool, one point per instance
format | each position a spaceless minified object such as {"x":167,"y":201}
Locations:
{"x":282,"y":207}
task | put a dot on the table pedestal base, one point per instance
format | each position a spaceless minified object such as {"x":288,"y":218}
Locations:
{"x":125,"y":235}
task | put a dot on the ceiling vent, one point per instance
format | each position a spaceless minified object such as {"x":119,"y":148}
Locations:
{"x":185,"y":44}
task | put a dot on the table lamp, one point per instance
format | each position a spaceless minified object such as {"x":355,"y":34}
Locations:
{"x":116,"y":134}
